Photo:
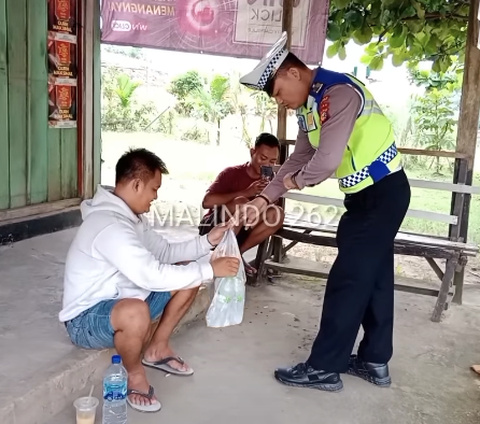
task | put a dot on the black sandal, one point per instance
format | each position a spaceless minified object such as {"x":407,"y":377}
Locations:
{"x":163,"y":365}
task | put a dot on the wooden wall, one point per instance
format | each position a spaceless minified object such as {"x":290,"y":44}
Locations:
{"x":37,"y":164}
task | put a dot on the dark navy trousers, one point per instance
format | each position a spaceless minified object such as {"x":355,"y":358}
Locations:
{"x":360,"y":286}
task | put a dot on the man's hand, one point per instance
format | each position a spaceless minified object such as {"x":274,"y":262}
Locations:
{"x":248,"y":213}
{"x":289,"y":182}
{"x":225,"y":266}
{"x":215,"y":235}
{"x":256,"y":187}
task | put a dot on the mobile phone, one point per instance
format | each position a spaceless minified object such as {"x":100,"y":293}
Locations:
{"x":267,"y":172}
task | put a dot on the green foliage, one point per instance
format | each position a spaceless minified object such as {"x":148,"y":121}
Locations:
{"x":403,"y":30}
{"x":265,"y":108}
{"x":182,"y":86}
{"x":120,"y":109}
{"x":133,"y":52}
{"x":125,"y":89}
{"x":213,"y":99}
{"x":242,"y":104}
{"x":211,"y":102}
{"x":451,"y":80}
{"x":196,"y":134}
{"x":434,"y":124}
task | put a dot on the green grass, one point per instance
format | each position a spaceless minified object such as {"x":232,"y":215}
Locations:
{"x":193,"y":163}
{"x":422,"y":199}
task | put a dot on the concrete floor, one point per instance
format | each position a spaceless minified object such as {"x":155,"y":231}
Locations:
{"x":39,"y":367}
{"x":233,"y":383}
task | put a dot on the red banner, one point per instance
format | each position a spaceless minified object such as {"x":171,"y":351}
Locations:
{"x":235,"y":28}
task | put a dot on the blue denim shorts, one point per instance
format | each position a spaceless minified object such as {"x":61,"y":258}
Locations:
{"x":92,"y":329}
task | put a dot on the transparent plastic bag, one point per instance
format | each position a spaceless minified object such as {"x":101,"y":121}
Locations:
{"x":228,"y":302}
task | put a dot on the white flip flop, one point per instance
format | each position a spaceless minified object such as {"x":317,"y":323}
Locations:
{"x":153,"y":406}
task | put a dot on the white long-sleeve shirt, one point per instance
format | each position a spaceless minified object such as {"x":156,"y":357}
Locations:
{"x":116,"y":255}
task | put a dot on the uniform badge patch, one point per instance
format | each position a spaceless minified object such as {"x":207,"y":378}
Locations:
{"x":324,"y":109}
{"x":302,"y":123}
{"x":317,"y":87}
{"x":311,"y":124}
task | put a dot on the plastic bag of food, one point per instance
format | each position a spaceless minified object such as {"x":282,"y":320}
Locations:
{"x":228,"y":302}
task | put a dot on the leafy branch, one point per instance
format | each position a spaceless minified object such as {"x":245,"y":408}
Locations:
{"x":403,"y":30}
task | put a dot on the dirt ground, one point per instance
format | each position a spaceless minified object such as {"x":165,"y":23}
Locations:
{"x":405,"y":266}
{"x":233,"y":382}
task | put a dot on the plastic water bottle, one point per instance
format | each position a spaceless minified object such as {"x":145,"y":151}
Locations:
{"x":115,"y":393}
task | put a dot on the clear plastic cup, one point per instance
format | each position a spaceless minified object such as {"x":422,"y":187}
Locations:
{"x":86,"y":408}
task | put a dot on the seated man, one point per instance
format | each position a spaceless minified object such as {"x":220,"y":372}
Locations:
{"x":120,"y":275}
{"x":237,"y":185}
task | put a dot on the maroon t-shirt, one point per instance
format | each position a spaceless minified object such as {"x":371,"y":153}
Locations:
{"x":231,"y":180}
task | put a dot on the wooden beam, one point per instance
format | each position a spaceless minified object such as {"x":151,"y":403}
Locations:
{"x":441,"y":186}
{"x":292,"y":244}
{"x":429,"y":185}
{"x":300,"y":266}
{"x":330,"y":201}
{"x":433,"y":264}
{"x":80,"y":93}
{"x":287,"y":19}
{"x":402,"y":247}
{"x":88,"y":97}
{"x":41,"y":208}
{"x":470,"y":101}
{"x":433,"y":153}
{"x":442,"y":299}
{"x":468,"y":126}
{"x":402,"y":239}
{"x":410,"y":151}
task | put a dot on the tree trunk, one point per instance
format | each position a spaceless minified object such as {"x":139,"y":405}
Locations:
{"x":262,"y":124}
{"x":406,"y":130}
{"x":219,"y":123}
{"x":245,"y":134}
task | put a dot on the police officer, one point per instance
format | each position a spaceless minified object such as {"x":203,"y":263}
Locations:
{"x":342,"y":131}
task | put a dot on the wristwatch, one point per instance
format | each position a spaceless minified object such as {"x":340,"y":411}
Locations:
{"x":264,"y":198}
{"x":293,"y":178}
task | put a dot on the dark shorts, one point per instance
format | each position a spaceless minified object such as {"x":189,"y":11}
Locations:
{"x":215,"y":218}
{"x":92,"y":329}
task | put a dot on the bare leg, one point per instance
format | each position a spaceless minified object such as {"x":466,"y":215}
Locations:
{"x":259,"y":233}
{"x":131,"y":322}
{"x":231,"y":208}
{"x":178,"y":306}
{"x":271,"y":223}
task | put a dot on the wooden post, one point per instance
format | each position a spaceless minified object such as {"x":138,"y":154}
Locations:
{"x":287,"y":18}
{"x":88,"y":98}
{"x":468,"y":121}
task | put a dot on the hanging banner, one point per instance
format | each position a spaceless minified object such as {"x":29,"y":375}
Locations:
{"x":235,"y":28}
{"x":62,"y":63}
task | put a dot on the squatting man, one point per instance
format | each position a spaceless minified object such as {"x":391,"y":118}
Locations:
{"x":120,"y":276}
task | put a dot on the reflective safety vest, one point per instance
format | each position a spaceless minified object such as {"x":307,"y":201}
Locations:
{"x":371,"y":153}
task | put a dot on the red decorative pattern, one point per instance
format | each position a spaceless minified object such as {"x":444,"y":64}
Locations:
{"x":324,"y":108}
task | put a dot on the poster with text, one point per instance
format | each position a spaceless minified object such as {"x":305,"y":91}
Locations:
{"x":62,"y":56}
{"x":236,"y":28}
{"x":62,"y":107}
{"x":62,"y":17}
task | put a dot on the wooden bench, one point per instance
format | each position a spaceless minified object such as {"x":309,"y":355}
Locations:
{"x":453,"y":248}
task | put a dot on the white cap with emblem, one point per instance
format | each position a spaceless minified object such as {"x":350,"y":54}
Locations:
{"x":268,"y":65}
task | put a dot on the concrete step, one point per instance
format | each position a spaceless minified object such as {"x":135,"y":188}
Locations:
{"x":40,"y":370}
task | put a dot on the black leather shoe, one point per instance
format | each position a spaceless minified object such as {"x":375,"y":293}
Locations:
{"x":303,"y":375}
{"x":373,"y":373}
